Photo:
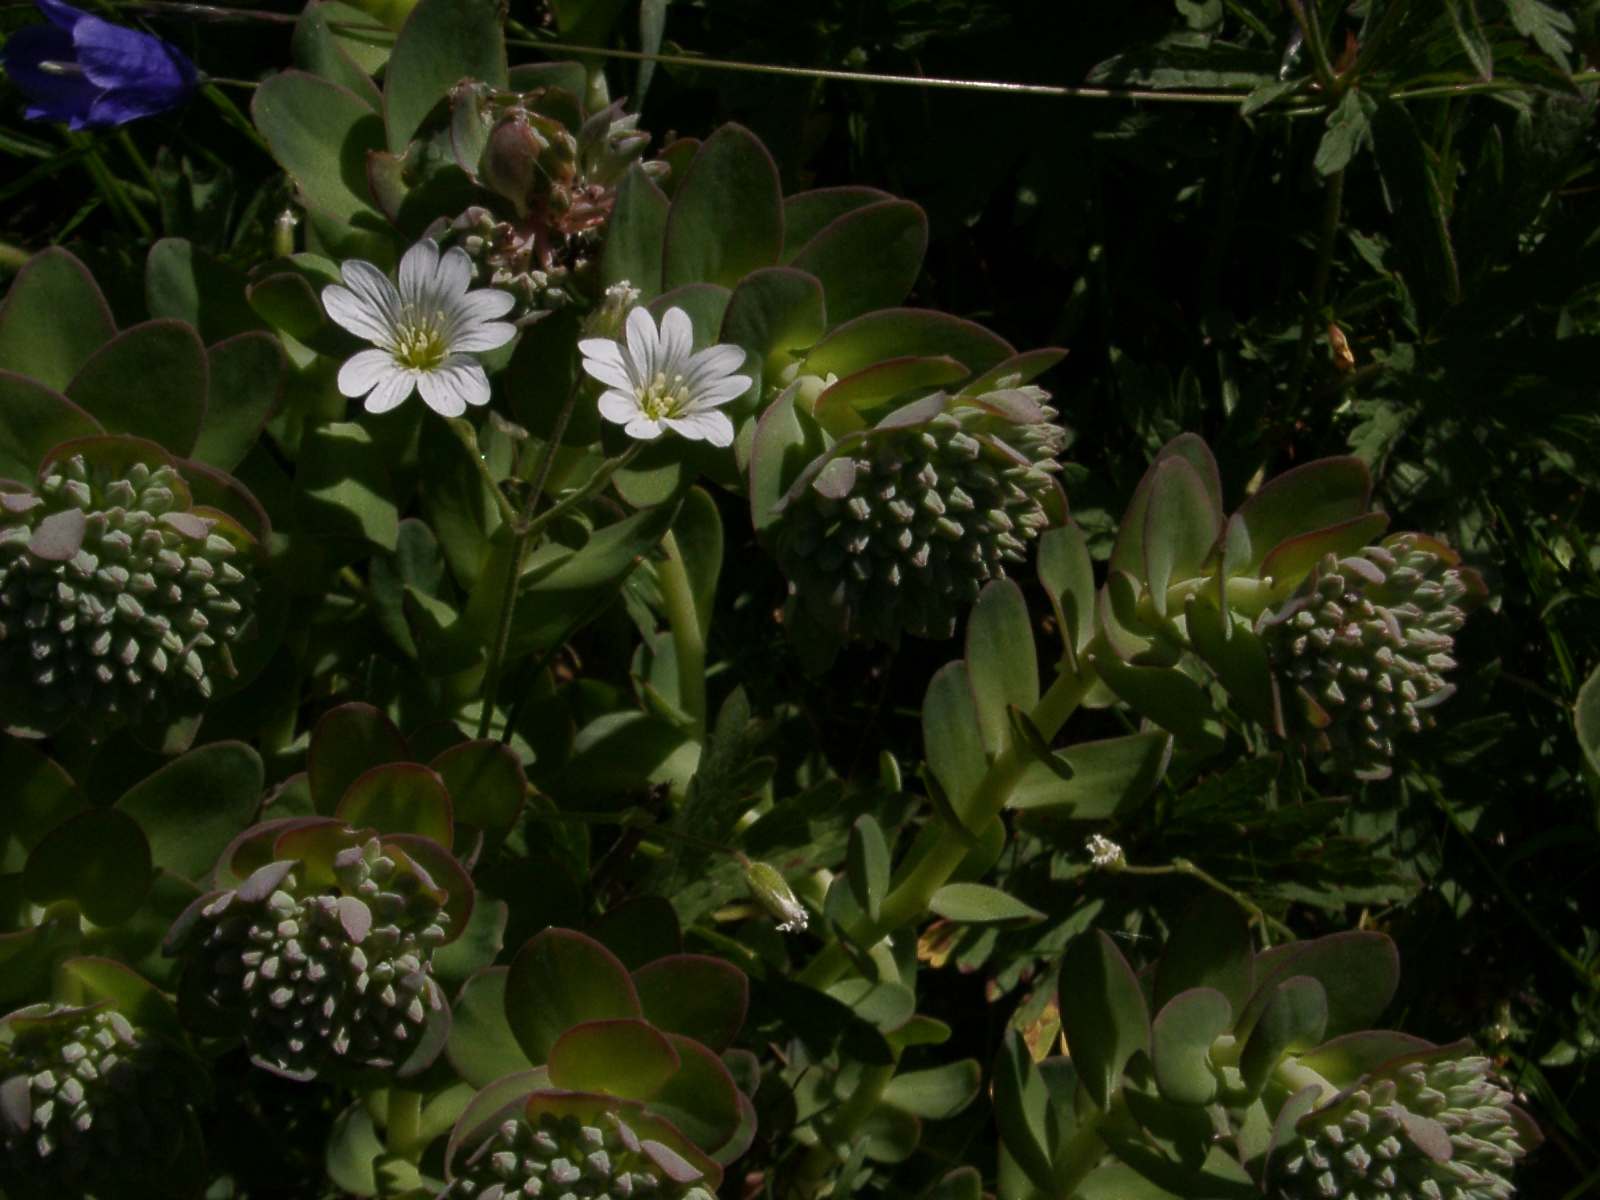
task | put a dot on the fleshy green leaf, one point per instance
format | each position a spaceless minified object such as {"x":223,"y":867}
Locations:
{"x":482,"y":1047}
{"x":33,"y":421}
{"x":321,"y":134}
{"x":399,"y":797}
{"x":441,"y":43}
{"x":192,"y":808}
{"x":53,"y":320}
{"x":807,"y":214}
{"x":1209,"y":947}
{"x":950,"y":733}
{"x":936,"y":1094}
{"x":625,"y":1058}
{"x":486,"y":785}
{"x":1103,"y":1012}
{"x":1586,"y":719}
{"x":694,"y":995}
{"x":867,"y":865}
{"x":1168,"y":697}
{"x":150,"y":381}
{"x":1180,"y":1044}
{"x":98,"y":859}
{"x":727,"y":213}
{"x":1320,"y":494}
{"x":1067,"y":573}
{"x":1292,"y":1022}
{"x":1002,"y":668}
{"x":560,"y":979}
{"x":867,"y":259}
{"x":635,"y":236}
{"x":245,"y":381}
{"x":905,"y":333}
{"x":1181,"y":524}
{"x":978,"y":904}
{"x":349,"y":741}
{"x":1109,"y":778}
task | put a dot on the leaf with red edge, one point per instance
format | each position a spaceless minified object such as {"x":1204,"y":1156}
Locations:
{"x":487,"y":787}
{"x":446,"y":873}
{"x":626,"y":1058}
{"x":563,"y":978}
{"x":349,"y":741}
{"x":399,"y":798}
{"x":694,"y":995}
{"x":700,"y":1099}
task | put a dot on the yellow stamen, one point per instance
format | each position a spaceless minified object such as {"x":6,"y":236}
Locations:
{"x":662,"y":399}
{"x":420,"y":344}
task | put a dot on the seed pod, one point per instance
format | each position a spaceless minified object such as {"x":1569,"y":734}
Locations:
{"x":898,"y":527}
{"x":87,"y":1101}
{"x":117,"y":602}
{"x":1363,"y":645}
{"x":562,"y":1156}
{"x":1430,"y":1126}
{"x":324,"y":979}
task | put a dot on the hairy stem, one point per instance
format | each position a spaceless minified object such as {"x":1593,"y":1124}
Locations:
{"x":688,"y":639}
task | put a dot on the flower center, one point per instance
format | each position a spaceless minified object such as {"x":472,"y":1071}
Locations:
{"x":419,"y":341}
{"x":663,"y":397}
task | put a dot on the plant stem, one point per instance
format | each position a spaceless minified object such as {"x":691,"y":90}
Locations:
{"x":405,"y":1119}
{"x":523,"y":535}
{"x":842,"y":1129}
{"x":1080,"y":1155}
{"x":463,"y":429}
{"x":1333,"y":206}
{"x":688,"y":639}
{"x":1182,"y":866}
{"x":1312,"y":32}
{"x":910,"y":898}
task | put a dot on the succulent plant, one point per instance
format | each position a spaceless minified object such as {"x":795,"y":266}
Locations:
{"x":327,"y":959}
{"x":897,"y":526}
{"x":1427,"y":1126}
{"x":119,"y":600}
{"x":567,"y":1145}
{"x":559,"y":184}
{"x":1363,"y":645}
{"x":87,"y":1100}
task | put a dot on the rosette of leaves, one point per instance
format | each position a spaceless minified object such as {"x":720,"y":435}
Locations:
{"x":130,"y":561}
{"x":597,"y":1080}
{"x":97,"y":1091}
{"x":1316,"y":629}
{"x":319,"y":946}
{"x":1257,"y":1071}
{"x":120,"y":599}
{"x":897,"y":527}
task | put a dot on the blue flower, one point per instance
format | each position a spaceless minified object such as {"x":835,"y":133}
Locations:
{"x":92,"y":74}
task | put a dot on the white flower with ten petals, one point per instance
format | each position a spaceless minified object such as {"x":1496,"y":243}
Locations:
{"x":654,"y":382}
{"x":426,"y":331}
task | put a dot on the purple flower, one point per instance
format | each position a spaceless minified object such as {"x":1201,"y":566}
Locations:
{"x":93,"y":74}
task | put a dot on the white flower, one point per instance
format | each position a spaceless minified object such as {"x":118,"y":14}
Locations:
{"x":1103,"y":852}
{"x":654,"y":383}
{"x":426,"y":331}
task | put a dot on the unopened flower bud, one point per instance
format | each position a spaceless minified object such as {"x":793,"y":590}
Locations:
{"x":610,"y":316}
{"x":511,"y":160}
{"x":774,"y":894}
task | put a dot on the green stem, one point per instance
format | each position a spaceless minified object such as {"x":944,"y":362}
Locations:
{"x":910,"y":898}
{"x":404,"y":1122}
{"x":841,"y":1130}
{"x":524,"y":533}
{"x":463,"y":430}
{"x":688,"y":639}
{"x":1079,"y":1156}
{"x":1333,"y":206}
{"x":1182,"y":866}
{"x":1312,"y":32}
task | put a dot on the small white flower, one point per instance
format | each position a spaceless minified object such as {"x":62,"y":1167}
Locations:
{"x":426,"y":331}
{"x":1103,"y":852}
{"x":653,"y":382}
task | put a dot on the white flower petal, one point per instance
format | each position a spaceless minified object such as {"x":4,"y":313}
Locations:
{"x":610,"y":374}
{"x":618,"y":407}
{"x":720,"y":391}
{"x":460,"y":381}
{"x":706,"y":425}
{"x":373,"y":288}
{"x":604,"y":350}
{"x":391,"y":392}
{"x":356,"y":314}
{"x":677,"y":342}
{"x":484,"y":304}
{"x":453,"y":277}
{"x":417,"y":271}
{"x":715,"y":360}
{"x":644,"y":345}
{"x":364,"y":371}
{"x":642,"y":428}
{"x":486,"y":335}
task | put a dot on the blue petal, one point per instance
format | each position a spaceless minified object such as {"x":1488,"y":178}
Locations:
{"x":118,"y":106}
{"x":55,"y":97}
{"x":114,"y":57}
{"x":63,"y":15}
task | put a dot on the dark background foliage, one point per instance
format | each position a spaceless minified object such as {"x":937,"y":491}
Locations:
{"x":1191,"y":259}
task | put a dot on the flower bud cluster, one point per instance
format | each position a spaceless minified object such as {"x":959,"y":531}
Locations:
{"x":1364,"y":643}
{"x":561,"y":188}
{"x":85,"y":1100}
{"x":138,"y":618}
{"x":326,"y":977}
{"x":1421,"y":1131}
{"x":565,"y":1159}
{"x":906,"y":528}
